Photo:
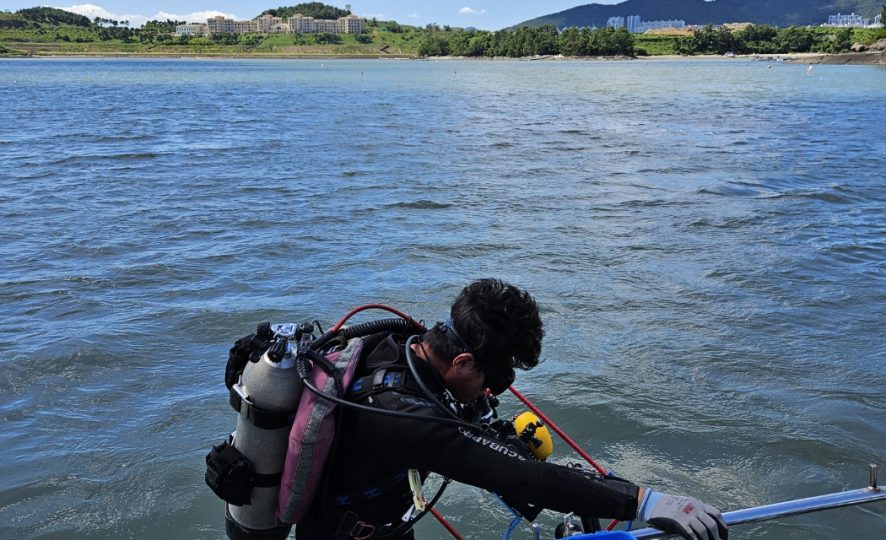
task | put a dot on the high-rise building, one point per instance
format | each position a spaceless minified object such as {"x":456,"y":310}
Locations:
{"x":635,"y":24}
{"x":615,"y":22}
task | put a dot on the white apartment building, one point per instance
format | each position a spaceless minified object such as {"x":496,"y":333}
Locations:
{"x":219,"y":25}
{"x":853,"y":21}
{"x":222,"y":25}
{"x":351,"y":24}
{"x":299,"y":24}
{"x":268,"y":24}
{"x":191,"y":30}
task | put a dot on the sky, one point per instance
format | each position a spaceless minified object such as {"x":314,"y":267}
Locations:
{"x":483,"y":14}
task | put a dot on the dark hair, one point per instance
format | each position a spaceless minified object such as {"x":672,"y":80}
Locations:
{"x":497,"y":321}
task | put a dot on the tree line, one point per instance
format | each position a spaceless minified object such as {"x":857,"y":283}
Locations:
{"x":547,"y":40}
{"x":765,"y":39}
{"x":527,"y":41}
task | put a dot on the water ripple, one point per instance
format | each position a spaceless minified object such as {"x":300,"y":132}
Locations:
{"x":708,"y":263}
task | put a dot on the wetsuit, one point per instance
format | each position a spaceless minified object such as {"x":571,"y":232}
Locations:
{"x":366,"y":485}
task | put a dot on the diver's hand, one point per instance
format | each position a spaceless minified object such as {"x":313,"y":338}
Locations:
{"x":688,"y":517}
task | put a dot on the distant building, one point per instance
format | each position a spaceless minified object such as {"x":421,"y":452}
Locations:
{"x":268,"y":24}
{"x":223,"y":25}
{"x":615,"y":22}
{"x":351,"y":24}
{"x":297,"y":24}
{"x":660,"y":25}
{"x":852,"y":20}
{"x":635,"y":24}
{"x":191,"y":30}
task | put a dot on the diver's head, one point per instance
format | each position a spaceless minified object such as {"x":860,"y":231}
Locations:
{"x":494,"y":327}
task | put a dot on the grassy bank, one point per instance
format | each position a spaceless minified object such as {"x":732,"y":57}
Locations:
{"x":388,"y":39}
{"x":74,"y":42}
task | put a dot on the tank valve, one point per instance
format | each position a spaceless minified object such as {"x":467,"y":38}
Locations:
{"x":278,"y":350}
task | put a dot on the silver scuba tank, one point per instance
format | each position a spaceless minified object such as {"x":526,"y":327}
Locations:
{"x":270,"y":390}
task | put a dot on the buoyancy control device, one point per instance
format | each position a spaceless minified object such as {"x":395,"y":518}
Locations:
{"x":283,"y":432}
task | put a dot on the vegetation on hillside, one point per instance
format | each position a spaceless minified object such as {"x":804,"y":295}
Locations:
{"x":52,"y":31}
{"x":525,"y":41}
{"x":317,"y":10}
{"x":50,"y":15}
{"x":545,"y":40}
{"x":765,"y":39}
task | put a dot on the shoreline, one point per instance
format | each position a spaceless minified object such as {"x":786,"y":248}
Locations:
{"x":853,"y":58}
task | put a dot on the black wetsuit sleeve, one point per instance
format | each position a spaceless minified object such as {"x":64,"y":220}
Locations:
{"x":473,"y":458}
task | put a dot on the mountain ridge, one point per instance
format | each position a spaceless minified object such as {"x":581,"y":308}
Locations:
{"x":700,"y":12}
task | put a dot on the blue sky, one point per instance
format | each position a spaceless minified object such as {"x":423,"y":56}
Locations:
{"x":484,"y":14}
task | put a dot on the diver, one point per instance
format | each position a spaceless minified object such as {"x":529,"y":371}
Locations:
{"x":440,"y":378}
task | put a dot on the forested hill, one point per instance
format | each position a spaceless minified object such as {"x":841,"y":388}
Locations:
{"x":317,"y":10}
{"x":775,"y":12}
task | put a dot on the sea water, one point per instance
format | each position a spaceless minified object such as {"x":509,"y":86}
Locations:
{"x":706,"y":240}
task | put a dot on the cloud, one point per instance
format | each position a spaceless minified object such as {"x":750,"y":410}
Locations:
{"x":471,"y":11}
{"x":92,"y":11}
{"x":414,"y":16}
{"x":196,"y":16}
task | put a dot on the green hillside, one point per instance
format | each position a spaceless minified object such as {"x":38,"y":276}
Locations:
{"x":49,"y":31}
{"x":317,"y":10}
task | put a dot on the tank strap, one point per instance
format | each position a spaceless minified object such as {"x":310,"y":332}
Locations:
{"x":260,"y":418}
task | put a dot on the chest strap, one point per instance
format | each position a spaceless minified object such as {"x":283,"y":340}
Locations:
{"x":382,"y":379}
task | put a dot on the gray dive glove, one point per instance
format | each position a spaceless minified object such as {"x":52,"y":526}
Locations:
{"x":688,"y":517}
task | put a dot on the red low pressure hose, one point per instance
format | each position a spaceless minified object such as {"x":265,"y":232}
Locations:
{"x":565,"y":438}
{"x":558,"y":431}
{"x":446,"y":524}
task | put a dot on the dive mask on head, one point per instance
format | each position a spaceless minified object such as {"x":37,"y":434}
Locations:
{"x":496,"y":380}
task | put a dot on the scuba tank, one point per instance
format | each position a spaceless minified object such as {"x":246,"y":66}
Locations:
{"x":246,"y":471}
